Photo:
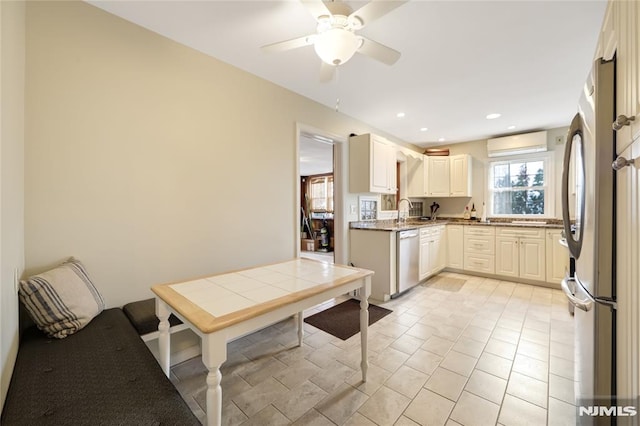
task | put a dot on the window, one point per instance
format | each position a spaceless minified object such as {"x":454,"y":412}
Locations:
{"x":521,"y":187}
{"x":321,"y":194}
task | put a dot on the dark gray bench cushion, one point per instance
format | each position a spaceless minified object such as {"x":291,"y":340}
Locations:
{"x":102,"y":375}
{"x":142,"y":315}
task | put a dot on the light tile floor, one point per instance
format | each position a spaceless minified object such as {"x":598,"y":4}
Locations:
{"x":491,"y":352}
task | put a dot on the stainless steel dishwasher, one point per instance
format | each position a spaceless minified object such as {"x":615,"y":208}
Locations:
{"x":408,"y":259}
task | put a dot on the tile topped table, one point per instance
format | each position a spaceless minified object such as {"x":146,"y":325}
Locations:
{"x":222,"y":307}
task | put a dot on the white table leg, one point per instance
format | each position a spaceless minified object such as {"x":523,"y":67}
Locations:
{"x":365,"y":291}
{"x":214,"y":354}
{"x":164,"y":343}
{"x":300,"y":328}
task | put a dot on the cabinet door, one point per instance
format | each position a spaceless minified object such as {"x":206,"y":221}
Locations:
{"x":392,"y":165}
{"x":425,"y":267}
{"x":557,"y":257}
{"x":380,"y":165}
{"x":439,"y":176}
{"x":626,"y":27}
{"x":455,"y":256}
{"x":459,"y":176}
{"x":507,"y":259}
{"x":628,"y":274}
{"x":434,"y":245}
{"x":440,"y":246}
{"x":532,"y":259}
{"x":415,"y":177}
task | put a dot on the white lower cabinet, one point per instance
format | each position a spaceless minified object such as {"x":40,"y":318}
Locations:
{"x":520,"y":252}
{"x":432,"y":250}
{"x":376,"y":251}
{"x":531,"y":254}
{"x":425,"y":258}
{"x":532,"y":258}
{"x":439,"y":252}
{"x":479,"y":249}
{"x":455,"y":246}
{"x":557,"y":257}
{"x":507,"y":257}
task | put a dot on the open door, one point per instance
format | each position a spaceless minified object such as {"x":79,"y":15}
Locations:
{"x":317,"y":195}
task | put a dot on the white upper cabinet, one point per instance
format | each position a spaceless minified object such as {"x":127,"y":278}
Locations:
{"x":372,"y":165}
{"x":439,"y":176}
{"x":449,"y":176}
{"x":417,"y":176}
{"x":460,"y":175}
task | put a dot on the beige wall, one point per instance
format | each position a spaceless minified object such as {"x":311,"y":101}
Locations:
{"x":152,"y":162}
{"x":12,"y":57}
{"x":478,"y":150}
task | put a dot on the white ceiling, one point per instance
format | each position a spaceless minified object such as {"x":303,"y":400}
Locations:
{"x":461,"y":60}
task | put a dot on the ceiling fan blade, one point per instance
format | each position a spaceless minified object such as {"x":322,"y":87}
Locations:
{"x":317,"y":8}
{"x":327,"y":72}
{"x":294,"y":43}
{"x":378,"y":51}
{"x":374,"y":10}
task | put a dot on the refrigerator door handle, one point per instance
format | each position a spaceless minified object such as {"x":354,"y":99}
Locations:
{"x":576,"y":129}
{"x":584,"y":304}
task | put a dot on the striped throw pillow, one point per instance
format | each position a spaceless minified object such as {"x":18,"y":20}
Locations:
{"x":62,"y":300}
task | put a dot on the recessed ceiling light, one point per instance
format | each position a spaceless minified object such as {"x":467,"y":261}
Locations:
{"x":423,"y":129}
{"x":511,"y":127}
{"x":492,"y":116}
{"x":400,"y":115}
{"x":441,"y":140}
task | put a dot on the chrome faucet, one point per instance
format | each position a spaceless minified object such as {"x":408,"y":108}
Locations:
{"x":400,"y":202}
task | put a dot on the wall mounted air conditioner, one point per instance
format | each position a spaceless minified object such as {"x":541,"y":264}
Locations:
{"x":517,"y":144}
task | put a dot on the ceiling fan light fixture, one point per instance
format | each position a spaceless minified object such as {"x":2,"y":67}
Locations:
{"x":336,"y":46}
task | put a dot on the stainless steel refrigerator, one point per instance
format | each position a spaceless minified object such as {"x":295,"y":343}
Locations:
{"x":588,"y":210}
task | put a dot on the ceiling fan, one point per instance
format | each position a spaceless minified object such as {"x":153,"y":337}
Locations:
{"x":336,"y":41}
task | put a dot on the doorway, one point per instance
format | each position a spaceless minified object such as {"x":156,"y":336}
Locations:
{"x":316,"y":159}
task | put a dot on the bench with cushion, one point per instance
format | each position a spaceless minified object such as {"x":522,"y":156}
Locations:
{"x":101,"y":373}
{"x":142,"y":315}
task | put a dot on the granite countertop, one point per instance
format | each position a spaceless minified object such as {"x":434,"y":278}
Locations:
{"x":392,"y":225}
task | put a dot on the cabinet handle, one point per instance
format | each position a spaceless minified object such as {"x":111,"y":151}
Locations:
{"x":622,"y":121}
{"x":621,"y":163}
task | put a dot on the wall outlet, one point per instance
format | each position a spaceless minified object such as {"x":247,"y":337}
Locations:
{"x":559,"y":140}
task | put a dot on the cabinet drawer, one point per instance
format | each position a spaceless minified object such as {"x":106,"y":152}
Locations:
{"x":479,"y":245}
{"x":427,"y":232}
{"x":480,"y":263}
{"x":431,"y":230}
{"x":517,"y":232}
{"x":479,"y":230}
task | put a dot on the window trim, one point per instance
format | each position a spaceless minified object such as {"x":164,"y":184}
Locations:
{"x":549,"y":187}
{"x":329,"y":199}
